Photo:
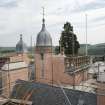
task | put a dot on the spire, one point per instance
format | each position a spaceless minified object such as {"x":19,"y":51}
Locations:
{"x":43,"y":37}
{"x":43,"y":20}
{"x":21,"y":36}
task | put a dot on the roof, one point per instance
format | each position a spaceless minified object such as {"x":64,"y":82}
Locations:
{"x":17,"y":102}
{"x":97,"y":67}
{"x":14,"y":65}
{"x":21,"y":46}
{"x":44,"y":94}
{"x":43,"y":37}
{"x":3,"y":100}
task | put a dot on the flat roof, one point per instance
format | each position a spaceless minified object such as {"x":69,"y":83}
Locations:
{"x":14,"y":66}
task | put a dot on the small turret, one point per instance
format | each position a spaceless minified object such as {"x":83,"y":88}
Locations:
{"x":21,"y":47}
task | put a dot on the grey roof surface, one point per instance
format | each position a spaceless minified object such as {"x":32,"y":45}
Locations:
{"x":43,"y":37}
{"x":21,"y":46}
{"x":44,"y":94}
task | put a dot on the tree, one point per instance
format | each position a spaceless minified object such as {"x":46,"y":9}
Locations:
{"x":68,"y":41}
{"x":57,"y":50}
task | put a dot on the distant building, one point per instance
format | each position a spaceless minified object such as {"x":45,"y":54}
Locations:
{"x":14,"y":67}
{"x":21,"y":53}
{"x":96,"y":75}
{"x":97,"y":71}
{"x":10,"y":73}
{"x":21,"y":47}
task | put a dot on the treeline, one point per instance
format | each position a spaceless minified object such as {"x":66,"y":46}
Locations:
{"x":98,"y":49}
{"x":7,"y":50}
{"x":92,"y":49}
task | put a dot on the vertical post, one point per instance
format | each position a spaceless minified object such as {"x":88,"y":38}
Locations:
{"x":52,"y":65}
{"x":34,"y":62}
{"x":31,"y":44}
{"x":30,"y":65}
{"x":73,"y":67}
{"x":73,"y":45}
{"x":73,"y":73}
{"x":86,"y":36}
{"x":9,"y":81}
{"x":43,"y":12}
{"x":73,"y":80}
{"x":98,"y":70}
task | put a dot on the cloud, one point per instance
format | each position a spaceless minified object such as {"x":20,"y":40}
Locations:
{"x":98,"y":19}
{"x":8,"y":3}
{"x":95,"y":4}
{"x":78,"y":6}
{"x":96,"y":23}
{"x":25,"y":16}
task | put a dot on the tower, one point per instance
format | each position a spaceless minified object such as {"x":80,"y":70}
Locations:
{"x":21,"y":52}
{"x":21,"y":47}
{"x":43,"y":55}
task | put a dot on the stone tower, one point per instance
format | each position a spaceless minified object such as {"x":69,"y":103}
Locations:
{"x":21,"y":47}
{"x":43,"y":55}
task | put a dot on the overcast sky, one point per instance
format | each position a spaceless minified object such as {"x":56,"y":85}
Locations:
{"x":25,"y":17}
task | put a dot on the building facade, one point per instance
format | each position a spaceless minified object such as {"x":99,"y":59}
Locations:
{"x":52,"y":69}
{"x":11,"y":72}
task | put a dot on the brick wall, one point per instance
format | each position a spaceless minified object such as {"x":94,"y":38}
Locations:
{"x":14,"y":75}
{"x":20,"y":57}
{"x":54,"y":70}
{"x":100,"y":93}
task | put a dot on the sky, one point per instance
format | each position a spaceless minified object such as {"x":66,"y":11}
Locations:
{"x":25,"y":17}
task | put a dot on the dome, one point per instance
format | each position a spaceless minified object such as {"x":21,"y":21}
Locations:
{"x":21,"y":47}
{"x":43,"y":37}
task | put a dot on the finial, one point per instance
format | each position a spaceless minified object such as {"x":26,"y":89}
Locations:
{"x":21,"y":36}
{"x":43,"y":15}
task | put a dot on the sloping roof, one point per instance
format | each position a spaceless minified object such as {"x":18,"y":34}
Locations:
{"x":12,"y":103}
{"x":14,"y":65}
{"x":3,"y":100}
{"x":49,"y":95}
{"x":16,"y":102}
{"x":43,"y":37}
